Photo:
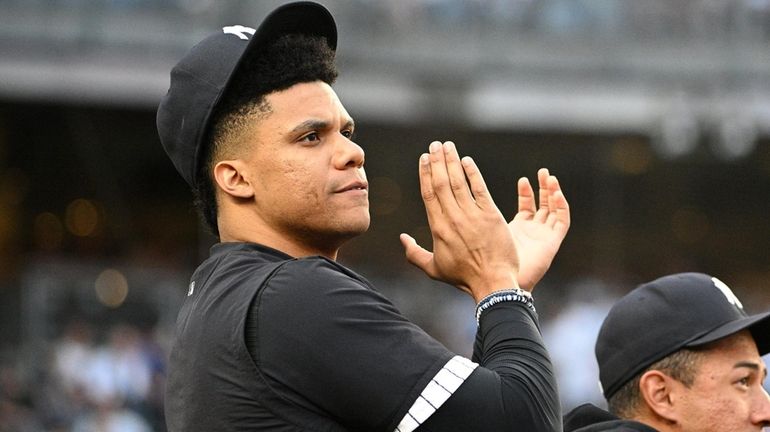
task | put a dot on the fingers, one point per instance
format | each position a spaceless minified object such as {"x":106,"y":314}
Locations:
{"x":432,"y":205}
{"x":542,"y":184}
{"x":417,"y":255}
{"x":457,"y":180}
{"x":439,"y":177}
{"x":527,"y":204}
{"x":553,"y":208}
{"x":483,"y":199}
{"x":448,"y":177}
{"x":559,"y":214}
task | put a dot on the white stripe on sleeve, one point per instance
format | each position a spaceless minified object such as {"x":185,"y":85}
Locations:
{"x":438,"y":390}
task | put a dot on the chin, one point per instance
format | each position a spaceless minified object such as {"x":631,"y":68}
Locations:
{"x":344,"y":226}
{"x":358,"y":227}
{"x":357,"y":222}
{"x":339,"y":235}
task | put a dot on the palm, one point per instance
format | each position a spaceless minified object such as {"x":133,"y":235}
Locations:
{"x":538,"y":233}
{"x":536,"y":245}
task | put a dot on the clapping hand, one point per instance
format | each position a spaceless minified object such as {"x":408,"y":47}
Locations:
{"x":538,"y":232}
{"x":474,"y":249}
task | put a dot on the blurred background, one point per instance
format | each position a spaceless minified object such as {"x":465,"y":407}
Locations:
{"x":654,"y":115}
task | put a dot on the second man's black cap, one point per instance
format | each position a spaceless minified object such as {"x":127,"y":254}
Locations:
{"x":658,"y":318}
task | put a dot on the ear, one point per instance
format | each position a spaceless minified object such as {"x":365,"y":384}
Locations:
{"x":229,"y":176}
{"x":660,"y":393}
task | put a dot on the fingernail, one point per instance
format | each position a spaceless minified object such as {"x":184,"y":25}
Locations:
{"x":434,"y":146}
{"x":448,"y":146}
{"x":424,"y":159}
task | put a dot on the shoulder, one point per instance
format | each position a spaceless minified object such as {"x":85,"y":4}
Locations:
{"x":314,"y":276}
{"x":308,"y":285}
{"x":590,"y":418}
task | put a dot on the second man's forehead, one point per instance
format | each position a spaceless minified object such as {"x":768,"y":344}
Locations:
{"x":747,"y":365}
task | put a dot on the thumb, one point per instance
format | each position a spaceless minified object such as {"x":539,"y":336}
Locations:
{"x":417,"y":255}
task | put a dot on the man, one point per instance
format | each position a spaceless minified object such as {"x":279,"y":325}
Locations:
{"x":680,"y":354}
{"x":274,"y":333}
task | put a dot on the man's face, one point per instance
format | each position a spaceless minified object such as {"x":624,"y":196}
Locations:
{"x":307,"y":174}
{"x":727,"y":394}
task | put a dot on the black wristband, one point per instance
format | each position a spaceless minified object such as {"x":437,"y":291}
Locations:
{"x":514,"y":295}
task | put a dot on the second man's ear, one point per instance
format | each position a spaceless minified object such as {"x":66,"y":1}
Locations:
{"x":660,"y":392}
{"x":229,"y":176}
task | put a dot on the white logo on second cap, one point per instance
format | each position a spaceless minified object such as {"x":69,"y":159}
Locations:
{"x":727,"y":292}
{"x":239,"y":31}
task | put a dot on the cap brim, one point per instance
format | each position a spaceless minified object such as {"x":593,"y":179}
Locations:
{"x":758,"y":325}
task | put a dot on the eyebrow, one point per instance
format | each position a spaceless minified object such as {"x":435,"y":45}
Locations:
{"x":319,"y":124}
{"x":750,"y":365}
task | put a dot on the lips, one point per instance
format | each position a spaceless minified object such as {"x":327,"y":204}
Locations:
{"x":357,"y":185}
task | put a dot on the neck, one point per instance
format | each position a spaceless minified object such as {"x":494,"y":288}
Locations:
{"x":240,"y":228}
{"x":654,"y":421}
{"x":284,"y":244}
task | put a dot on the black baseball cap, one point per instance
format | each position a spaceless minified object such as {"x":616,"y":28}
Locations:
{"x":202,"y":77}
{"x":661,"y":317}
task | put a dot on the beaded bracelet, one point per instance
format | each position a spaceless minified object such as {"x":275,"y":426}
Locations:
{"x":517,"y":295}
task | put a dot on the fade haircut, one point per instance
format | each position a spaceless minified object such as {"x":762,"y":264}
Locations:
{"x":681,"y":366}
{"x":290,"y":60}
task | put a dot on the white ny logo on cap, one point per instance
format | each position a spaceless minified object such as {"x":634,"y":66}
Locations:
{"x":727,"y":292}
{"x":239,"y":31}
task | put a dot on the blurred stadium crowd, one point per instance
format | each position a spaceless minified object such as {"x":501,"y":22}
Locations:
{"x":90,"y":378}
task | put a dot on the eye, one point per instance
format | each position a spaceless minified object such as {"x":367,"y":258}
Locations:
{"x":348,"y":134}
{"x":312,"y":136}
{"x":744,"y":382}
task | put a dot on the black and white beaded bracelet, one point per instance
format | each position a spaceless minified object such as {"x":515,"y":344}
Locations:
{"x":514,"y":295}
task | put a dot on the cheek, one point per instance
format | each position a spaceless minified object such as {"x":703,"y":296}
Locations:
{"x":715,"y":411}
{"x":301,"y":182}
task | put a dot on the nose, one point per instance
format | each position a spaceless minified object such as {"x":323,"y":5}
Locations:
{"x":761,"y":415}
{"x":348,"y":154}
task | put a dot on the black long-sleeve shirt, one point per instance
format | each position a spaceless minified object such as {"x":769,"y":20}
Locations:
{"x":268,"y":342}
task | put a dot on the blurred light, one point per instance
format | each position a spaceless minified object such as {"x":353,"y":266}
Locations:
{"x":678,"y":135}
{"x":690,"y":225}
{"x":82,"y":218}
{"x":13,"y":186}
{"x":388,"y":195}
{"x":48,"y":231}
{"x":736,"y":138}
{"x":631,"y":157}
{"x":111,"y":288}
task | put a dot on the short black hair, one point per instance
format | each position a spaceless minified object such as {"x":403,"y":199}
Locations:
{"x":290,"y":60}
{"x":681,"y":365}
